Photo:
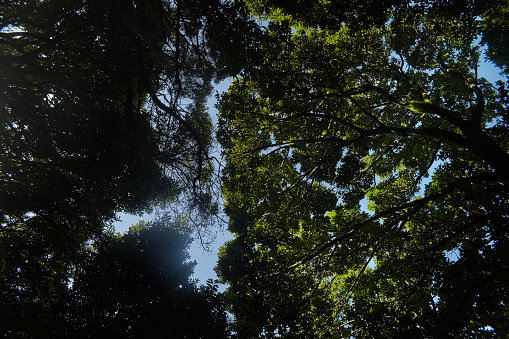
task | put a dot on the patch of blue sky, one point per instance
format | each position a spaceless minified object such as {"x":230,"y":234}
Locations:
{"x":206,"y":258}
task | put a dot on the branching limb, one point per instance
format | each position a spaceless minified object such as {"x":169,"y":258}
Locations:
{"x":395,"y":211}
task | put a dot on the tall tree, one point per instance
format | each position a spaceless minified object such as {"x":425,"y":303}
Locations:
{"x":102,"y":111}
{"x":366,"y":177}
{"x":139,"y":285}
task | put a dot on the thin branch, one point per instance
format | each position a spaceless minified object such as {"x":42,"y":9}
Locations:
{"x":418,"y":203}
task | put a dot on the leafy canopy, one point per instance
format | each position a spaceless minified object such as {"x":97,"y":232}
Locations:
{"x":139,"y":285}
{"x":367,"y":174}
{"x":101,"y":111}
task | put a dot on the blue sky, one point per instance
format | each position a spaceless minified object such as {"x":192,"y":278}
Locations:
{"x":206,"y":260}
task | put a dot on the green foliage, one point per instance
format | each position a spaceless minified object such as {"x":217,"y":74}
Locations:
{"x":135,"y":285}
{"x":338,"y":118}
{"x":139,"y":285}
{"x":35,"y":270}
{"x":101,"y":111}
{"x":496,"y":34}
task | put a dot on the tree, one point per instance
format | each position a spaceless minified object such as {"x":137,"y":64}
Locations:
{"x":366,"y":177}
{"x":102,"y":111}
{"x":103,"y":104}
{"x":139,"y":285}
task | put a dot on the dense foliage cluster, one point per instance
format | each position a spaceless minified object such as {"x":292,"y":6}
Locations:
{"x":102,"y":111}
{"x":367,"y":173}
{"x":365,"y":167}
{"x":138,"y":286}
{"x":135,"y":285}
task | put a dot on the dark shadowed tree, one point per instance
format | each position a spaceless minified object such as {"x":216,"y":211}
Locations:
{"x":138,"y":285}
{"x":101,"y":111}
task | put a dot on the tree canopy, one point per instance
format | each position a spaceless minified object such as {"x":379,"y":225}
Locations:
{"x":139,"y":285}
{"x":102,"y":111}
{"x":367,"y":173}
{"x":365,"y":167}
{"x":103,"y":105}
{"x":135,"y":285}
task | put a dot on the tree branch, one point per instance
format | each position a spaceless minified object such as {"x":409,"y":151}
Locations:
{"x":419,"y":203}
